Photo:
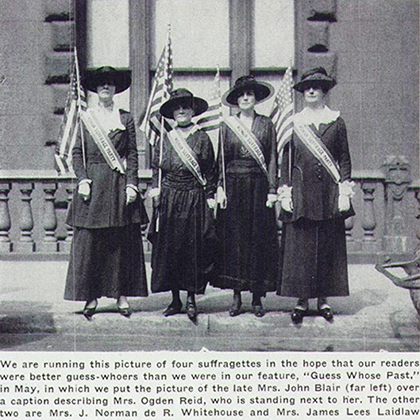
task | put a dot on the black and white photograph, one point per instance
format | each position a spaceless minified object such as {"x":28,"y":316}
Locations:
{"x":234,"y":183}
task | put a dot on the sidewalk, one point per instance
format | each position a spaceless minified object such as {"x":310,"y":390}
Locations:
{"x":34,"y":317}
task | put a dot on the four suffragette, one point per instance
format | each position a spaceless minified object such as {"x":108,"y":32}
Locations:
{"x":106,"y":212}
{"x":184,"y":183}
{"x":239,"y":249}
{"x":248,"y":255}
{"x":315,"y":199}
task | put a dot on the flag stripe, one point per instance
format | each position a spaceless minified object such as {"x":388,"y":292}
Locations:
{"x":211,"y":119}
{"x":282,"y":112}
{"x":69,"y":127}
{"x":161,"y":88}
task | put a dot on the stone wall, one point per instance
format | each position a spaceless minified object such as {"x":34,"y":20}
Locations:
{"x":34,"y":53}
{"x":371,"y":47}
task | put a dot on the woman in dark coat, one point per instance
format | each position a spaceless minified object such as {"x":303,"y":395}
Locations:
{"x":315,"y":198}
{"x":246,"y":223}
{"x":184,"y":183}
{"x":107,"y":252}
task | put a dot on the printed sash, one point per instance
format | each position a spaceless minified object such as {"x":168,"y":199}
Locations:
{"x":318,"y":149}
{"x":103,"y":142}
{"x":186,"y":154}
{"x":249,"y":140}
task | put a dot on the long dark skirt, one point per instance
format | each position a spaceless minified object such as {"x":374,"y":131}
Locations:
{"x":247,"y":230}
{"x":183,"y":248}
{"x":315,"y":259}
{"x":106,"y":262}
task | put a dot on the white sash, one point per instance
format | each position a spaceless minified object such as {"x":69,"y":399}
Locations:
{"x":318,"y":149}
{"x":186,"y":154}
{"x":103,"y":142}
{"x":248,"y":139}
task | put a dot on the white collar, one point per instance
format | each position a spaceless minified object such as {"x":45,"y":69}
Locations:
{"x":323,"y":116}
{"x":109,"y":118}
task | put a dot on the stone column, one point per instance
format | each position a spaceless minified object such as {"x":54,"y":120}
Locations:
{"x":50,"y":219}
{"x":369,"y":219}
{"x":26,"y":243}
{"x":65,"y":246}
{"x":397,"y":179}
{"x":5,"y":222}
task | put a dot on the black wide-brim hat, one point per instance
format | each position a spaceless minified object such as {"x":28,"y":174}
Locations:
{"x":317,"y":76}
{"x":184,"y":97}
{"x":262,"y":90}
{"x":120,"y":78}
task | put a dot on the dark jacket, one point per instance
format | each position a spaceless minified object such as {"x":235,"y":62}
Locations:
{"x":107,"y":204}
{"x":172,"y":165}
{"x":239,"y":160}
{"x":314,"y":193}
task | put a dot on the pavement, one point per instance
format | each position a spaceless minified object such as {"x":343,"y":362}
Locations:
{"x":377,"y":316}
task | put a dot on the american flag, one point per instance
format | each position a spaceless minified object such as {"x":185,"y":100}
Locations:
{"x":70,"y":124}
{"x":210,"y":120}
{"x":161,"y":89}
{"x":282,"y":111}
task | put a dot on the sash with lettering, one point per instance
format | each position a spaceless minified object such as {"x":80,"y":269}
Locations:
{"x":186,"y":154}
{"x":249,"y":140}
{"x":101,"y":139}
{"x":315,"y":145}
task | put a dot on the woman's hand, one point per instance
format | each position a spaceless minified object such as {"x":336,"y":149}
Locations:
{"x":211,"y":202}
{"x":343,"y":202}
{"x":345,"y":193}
{"x":285,"y":197}
{"x":131,"y":194}
{"x":154,"y":194}
{"x":271,"y":200}
{"x":221,"y":198}
{"x":83,"y":189}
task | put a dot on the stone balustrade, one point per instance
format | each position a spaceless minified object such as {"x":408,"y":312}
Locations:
{"x":33,"y":207}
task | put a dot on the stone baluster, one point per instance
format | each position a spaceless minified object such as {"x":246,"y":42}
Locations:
{"x":50,"y":218}
{"x":397,"y":179}
{"x":369,"y":220}
{"x":26,"y":243}
{"x":349,"y":224}
{"x":5,"y":223}
{"x":66,"y":244}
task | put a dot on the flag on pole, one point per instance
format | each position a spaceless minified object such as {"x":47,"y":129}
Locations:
{"x":161,"y":89}
{"x":70,"y":124}
{"x":282,"y":111}
{"x":211,"y":119}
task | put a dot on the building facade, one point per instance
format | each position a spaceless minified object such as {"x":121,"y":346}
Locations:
{"x":369,"y":46}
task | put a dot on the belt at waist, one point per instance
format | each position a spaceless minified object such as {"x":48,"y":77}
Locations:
{"x":243,"y":166}
{"x":186,"y":182}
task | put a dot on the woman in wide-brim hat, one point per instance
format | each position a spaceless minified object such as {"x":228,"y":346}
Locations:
{"x":183,"y":247}
{"x":246,"y":224}
{"x":315,"y":201}
{"x":107,"y":211}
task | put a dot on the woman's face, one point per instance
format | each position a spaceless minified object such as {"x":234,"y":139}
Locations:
{"x":246,"y":100}
{"x":314,"y":95}
{"x":183,"y":114}
{"x":106,"y":91}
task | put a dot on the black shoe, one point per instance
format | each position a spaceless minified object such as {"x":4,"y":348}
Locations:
{"x":192,"y":311}
{"x":125,"y":311}
{"x":327,"y":313}
{"x":297,"y":316}
{"x":173,"y":309}
{"x":88,"y":312}
{"x":235,"y":309}
{"x":258,"y":310}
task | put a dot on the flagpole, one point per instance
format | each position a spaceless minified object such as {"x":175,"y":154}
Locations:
{"x":160,"y":169}
{"x":291,"y":139}
{"x":82,"y":135}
